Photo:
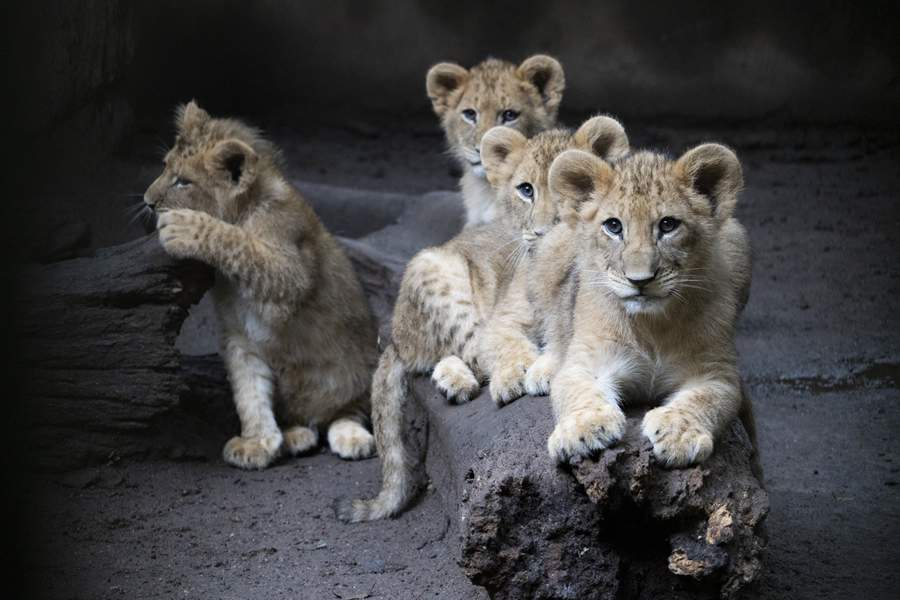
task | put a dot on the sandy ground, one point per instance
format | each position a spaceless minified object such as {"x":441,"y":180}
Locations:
{"x":818,"y":344}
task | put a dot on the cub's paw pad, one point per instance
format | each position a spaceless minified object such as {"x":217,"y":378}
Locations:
{"x":508,"y":378}
{"x":678,"y":440}
{"x":581,"y":434}
{"x":455,"y":380}
{"x":537,"y":377}
{"x":251,"y":453}
{"x":299,"y":440}
{"x":350,"y":440}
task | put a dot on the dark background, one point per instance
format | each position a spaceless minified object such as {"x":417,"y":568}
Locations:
{"x":82,"y":64}
{"x":807,"y":92}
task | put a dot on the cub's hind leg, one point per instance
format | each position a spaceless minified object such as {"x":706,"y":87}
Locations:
{"x":350,"y":440}
{"x":441,"y":300}
{"x":252,"y":383}
{"x":299,"y":439}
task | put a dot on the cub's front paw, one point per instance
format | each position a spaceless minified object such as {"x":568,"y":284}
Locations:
{"x":455,"y":380}
{"x":251,"y":452}
{"x":181,"y":231}
{"x":537,"y":378}
{"x":508,"y":378}
{"x":678,"y":439}
{"x":583,"y":433}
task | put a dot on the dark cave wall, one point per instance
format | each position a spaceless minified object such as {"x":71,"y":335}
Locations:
{"x":86,"y":67}
{"x":67,"y":62}
{"x":824,"y":61}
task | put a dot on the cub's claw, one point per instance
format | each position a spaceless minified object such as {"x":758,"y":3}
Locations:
{"x":678,"y":440}
{"x":585,"y":432}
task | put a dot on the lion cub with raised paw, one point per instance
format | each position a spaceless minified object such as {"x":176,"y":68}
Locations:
{"x":656,"y":301}
{"x":446,"y":294}
{"x":469,"y":102}
{"x":524,"y":337}
{"x":298,"y":339}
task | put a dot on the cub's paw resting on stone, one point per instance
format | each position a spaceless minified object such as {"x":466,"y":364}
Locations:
{"x":350,"y":440}
{"x":180,"y":231}
{"x":455,"y":380}
{"x":299,"y":440}
{"x":252,"y":452}
{"x":582,"y":433}
{"x":537,"y":378}
{"x":678,"y":439}
{"x":508,"y":378}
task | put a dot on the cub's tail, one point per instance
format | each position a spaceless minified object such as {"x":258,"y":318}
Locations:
{"x":390,"y":391}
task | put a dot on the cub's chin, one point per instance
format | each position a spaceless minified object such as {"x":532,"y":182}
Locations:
{"x":477,"y":170}
{"x":645,"y":305}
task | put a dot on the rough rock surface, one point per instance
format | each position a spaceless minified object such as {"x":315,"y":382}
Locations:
{"x":619,"y":526}
{"x":98,"y":349}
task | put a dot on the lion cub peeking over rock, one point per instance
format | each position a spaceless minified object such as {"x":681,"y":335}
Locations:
{"x":663,"y":270}
{"x":469,"y":102}
{"x":298,"y":339}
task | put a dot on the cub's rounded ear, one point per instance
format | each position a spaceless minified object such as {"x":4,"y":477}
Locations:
{"x":603,"y":136}
{"x":578,"y":179}
{"x":233,"y":163}
{"x":501,"y":148}
{"x":442,"y":80}
{"x":546,"y":74}
{"x":190,"y":118}
{"x":714,"y":172}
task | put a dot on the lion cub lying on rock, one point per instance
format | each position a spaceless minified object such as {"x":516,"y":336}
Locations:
{"x":297,"y":335}
{"x":662,"y":270}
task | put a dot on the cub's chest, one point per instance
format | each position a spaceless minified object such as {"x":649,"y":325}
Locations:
{"x":654,"y":371}
{"x":239,"y":314}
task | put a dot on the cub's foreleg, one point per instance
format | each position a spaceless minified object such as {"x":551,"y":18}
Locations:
{"x":253,"y":387}
{"x":273,"y":271}
{"x":682,"y":431}
{"x":506,"y":349}
{"x":586,"y":399}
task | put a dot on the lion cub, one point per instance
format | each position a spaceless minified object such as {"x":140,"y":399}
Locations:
{"x":445,"y":296}
{"x":297,"y":336}
{"x":469,"y":102}
{"x":532,"y":314}
{"x":660,"y":284}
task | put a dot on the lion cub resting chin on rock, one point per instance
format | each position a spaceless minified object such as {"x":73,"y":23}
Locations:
{"x":469,"y":102}
{"x":297,"y":335}
{"x":656,"y":301}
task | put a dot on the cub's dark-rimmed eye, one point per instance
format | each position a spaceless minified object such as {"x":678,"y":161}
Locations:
{"x":525,"y":191}
{"x":508,"y":116}
{"x":470,"y":115}
{"x":613,"y":227}
{"x":181,"y":182}
{"x":668,"y":224}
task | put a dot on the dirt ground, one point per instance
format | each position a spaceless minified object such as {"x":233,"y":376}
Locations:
{"x":818,"y":345}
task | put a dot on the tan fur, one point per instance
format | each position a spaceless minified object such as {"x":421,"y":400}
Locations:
{"x":533,"y":90}
{"x":445,"y":296}
{"x":654,"y":312}
{"x":297,"y":335}
{"x":532,"y":305}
